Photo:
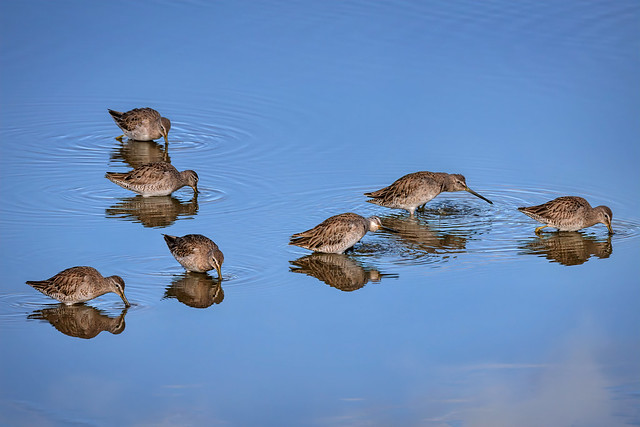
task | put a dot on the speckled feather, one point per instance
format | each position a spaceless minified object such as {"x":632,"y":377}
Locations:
{"x":567,"y":213}
{"x":154,"y":179}
{"x":142,"y":124}
{"x":333,"y":235}
{"x":79,"y":284}
{"x":418,"y":188}
{"x":413,"y":189}
{"x":195,"y":252}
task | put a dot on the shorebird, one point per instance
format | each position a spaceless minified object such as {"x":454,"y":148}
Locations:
{"x":337,"y":233}
{"x":79,"y":284}
{"x":416,"y":189}
{"x":569,"y":213}
{"x":142,"y":124}
{"x":195,"y":252}
{"x":155,"y":179}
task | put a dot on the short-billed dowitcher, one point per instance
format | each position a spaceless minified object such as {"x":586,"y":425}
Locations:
{"x":569,"y":213}
{"x":418,"y":188}
{"x":195,"y":252}
{"x":337,"y":233}
{"x":142,"y":124}
{"x":155,"y":179}
{"x":79,"y":284}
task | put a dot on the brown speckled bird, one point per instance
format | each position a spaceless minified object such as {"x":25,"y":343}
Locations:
{"x":79,"y":284}
{"x":142,"y":124}
{"x":416,"y":189}
{"x":195,"y":252}
{"x":569,"y":213}
{"x":155,"y":179}
{"x":337,"y":233}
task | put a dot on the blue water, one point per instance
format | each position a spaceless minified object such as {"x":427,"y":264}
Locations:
{"x":289,"y":112}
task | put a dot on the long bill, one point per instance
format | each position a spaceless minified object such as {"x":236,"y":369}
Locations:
{"x":477,"y":195}
{"x":389,"y":230}
{"x":124,"y":299}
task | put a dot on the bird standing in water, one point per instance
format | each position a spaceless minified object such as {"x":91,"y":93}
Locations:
{"x":569,"y":213}
{"x":142,"y":124}
{"x":79,"y":284}
{"x":337,"y":233}
{"x":196,"y":253}
{"x":416,"y":189}
{"x":155,"y":179}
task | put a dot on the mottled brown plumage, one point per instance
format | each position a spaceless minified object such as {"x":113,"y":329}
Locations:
{"x":80,"y":321}
{"x":196,"y":252}
{"x":337,"y":233}
{"x":155,"y":179}
{"x":569,"y":213}
{"x":79,"y":284}
{"x":142,"y":124}
{"x":416,"y":189}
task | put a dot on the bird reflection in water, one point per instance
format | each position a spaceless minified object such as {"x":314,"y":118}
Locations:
{"x":158,"y":212}
{"x":80,"y":320}
{"x":568,"y":247}
{"x":198,"y":290}
{"x":419,"y":239}
{"x":337,"y":270}
{"x":138,"y":153}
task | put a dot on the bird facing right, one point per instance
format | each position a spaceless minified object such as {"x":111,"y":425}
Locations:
{"x":569,"y":213}
{"x":142,"y":124}
{"x":337,"y":233}
{"x":416,"y":189}
{"x":79,"y":284}
{"x":196,"y":253}
{"x":155,"y":179}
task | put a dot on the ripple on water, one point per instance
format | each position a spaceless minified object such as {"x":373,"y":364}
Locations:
{"x":66,"y":148}
{"x":241,"y":273}
{"x":344,"y":272}
{"x":20,"y":305}
{"x":454,"y":224}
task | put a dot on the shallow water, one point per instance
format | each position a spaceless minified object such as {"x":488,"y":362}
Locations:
{"x":289,"y":112}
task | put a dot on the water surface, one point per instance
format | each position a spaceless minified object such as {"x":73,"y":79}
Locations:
{"x":289,"y":112}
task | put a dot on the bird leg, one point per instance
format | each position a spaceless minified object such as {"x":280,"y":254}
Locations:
{"x":539,"y":229}
{"x":119,"y":138}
